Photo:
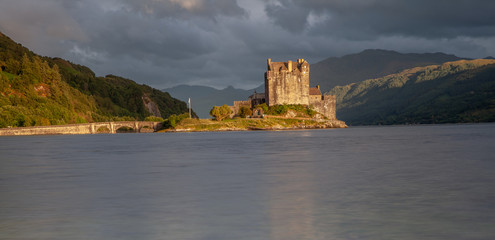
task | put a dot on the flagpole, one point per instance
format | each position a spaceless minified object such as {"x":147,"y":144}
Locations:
{"x":189,"y":103}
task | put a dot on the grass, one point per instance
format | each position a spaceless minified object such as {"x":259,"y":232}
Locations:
{"x":9,"y":76}
{"x":243,"y":124}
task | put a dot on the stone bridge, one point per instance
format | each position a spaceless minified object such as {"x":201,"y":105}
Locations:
{"x":85,"y":128}
{"x":134,"y":126}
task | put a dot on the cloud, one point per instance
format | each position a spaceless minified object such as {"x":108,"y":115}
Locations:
{"x":186,"y":9}
{"x":360,"y":19}
{"x":44,"y":25}
{"x":288,"y":15}
{"x":225,"y":42}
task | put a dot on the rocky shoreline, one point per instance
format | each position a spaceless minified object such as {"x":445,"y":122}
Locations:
{"x":272,"y":124}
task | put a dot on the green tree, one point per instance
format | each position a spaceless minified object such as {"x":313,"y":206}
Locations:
{"x":154,"y":119}
{"x":173,"y":120}
{"x":219,"y":113}
{"x":244,"y":112}
{"x":262,"y":106}
{"x":215,"y":111}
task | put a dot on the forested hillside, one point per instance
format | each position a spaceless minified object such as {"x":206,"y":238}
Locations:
{"x":368,"y":64}
{"x":454,"y":92}
{"x":37,"y":90}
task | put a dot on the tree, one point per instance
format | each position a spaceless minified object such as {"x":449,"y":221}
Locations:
{"x":262,"y":106}
{"x":219,"y":113}
{"x":173,"y":120}
{"x":244,"y":112}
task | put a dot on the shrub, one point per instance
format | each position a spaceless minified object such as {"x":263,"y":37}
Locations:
{"x":123,"y":119}
{"x":244,"y":112}
{"x":311,"y":112}
{"x":278,"y":109}
{"x":173,"y":120}
{"x":262,"y":106}
{"x":301,"y":110}
{"x":154,"y":119}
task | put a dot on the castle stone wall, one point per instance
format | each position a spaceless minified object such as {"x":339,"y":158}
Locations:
{"x":287,"y":83}
{"x":237,"y":106}
{"x":325,"y":105}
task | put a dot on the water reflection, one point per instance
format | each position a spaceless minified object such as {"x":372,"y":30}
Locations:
{"x":290,"y":189}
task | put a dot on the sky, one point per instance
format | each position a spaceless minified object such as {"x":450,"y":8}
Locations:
{"x":220,"y":43}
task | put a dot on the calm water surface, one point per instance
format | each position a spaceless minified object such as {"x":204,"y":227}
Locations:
{"x":407,"y":182}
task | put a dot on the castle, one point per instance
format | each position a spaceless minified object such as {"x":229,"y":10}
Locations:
{"x":288,"y":83}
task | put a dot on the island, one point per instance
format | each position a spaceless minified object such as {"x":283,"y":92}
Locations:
{"x":287,"y":103}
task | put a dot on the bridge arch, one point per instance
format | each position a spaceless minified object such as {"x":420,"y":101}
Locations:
{"x":136,"y":126}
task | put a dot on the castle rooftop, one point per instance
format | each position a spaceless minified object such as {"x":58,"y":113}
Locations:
{"x":315,"y":91}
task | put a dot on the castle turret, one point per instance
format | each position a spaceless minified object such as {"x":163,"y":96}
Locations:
{"x":287,"y":84}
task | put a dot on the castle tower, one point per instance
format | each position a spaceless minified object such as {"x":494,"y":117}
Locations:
{"x":287,"y":82}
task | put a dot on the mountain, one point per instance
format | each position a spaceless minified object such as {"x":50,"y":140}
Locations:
{"x":328,"y":73}
{"x":204,"y":98}
{"x":339,"y":71}
{"x":453,"y":92}
{"x":37,"y":90}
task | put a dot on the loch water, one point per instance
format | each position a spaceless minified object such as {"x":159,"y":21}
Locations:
{"x":394,"y":182}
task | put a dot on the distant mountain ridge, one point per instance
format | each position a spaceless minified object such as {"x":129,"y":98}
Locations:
{"x":368,"y":64}
{"x":204,"y":98}
{"x":453,"y":92}
{"x":331,"y":72}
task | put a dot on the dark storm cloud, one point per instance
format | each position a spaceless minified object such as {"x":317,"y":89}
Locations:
{"x":161,"y":50}
{"x":45,"y":25}
{"x":288,"y":15}
{"x":142,"y":37}
{"x":226,"y":42}
{"x":363,"y":19}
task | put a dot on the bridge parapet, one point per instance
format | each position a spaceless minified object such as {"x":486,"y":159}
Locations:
{"x":84,"y":128}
